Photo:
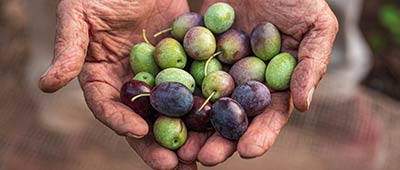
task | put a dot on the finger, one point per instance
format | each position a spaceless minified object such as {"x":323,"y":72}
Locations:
{"x":290,"y":44}
{"x":205,"y":6}
{"x":70,"y":47}
{"x":314,"y":51}
{"x":184,"y":166}
{"x":152,"y":153}
{"x":216,"y":150}
{"x":264,"y":128}
{"x":103,"y":101}
{"x":189,"y":151}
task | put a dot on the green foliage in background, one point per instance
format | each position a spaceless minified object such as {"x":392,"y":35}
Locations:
{"x":389,"y":16}
{"x":377,"y":41}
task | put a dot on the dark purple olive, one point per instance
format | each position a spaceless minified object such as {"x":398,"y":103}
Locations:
{"x":152,"y":115}
{"x":133,"y":88}
{"x":197,"y":92}
{"x":253,"y":96}
{"x":171,"y":99}
{"x":226,"y":67}
{"x":234,"y":45}
{"x":198,"y":120}
{"x":228,"y":118}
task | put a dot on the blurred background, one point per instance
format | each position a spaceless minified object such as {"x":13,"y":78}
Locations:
{"x":352,"y":123}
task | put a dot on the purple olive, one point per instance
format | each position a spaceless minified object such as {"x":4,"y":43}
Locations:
{"x":171,"y":99}
{"x":265,"y":41}
{"x":234,"y":45}
{"x":198,"y":120}
{"x":229,"y":118}
{"x":184,"y":22}
{"x":133,"y":88}
{"x":253,"y":96}
{"x":246,"y":69}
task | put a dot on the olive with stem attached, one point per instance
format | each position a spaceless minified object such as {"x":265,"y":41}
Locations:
{"x":182,"y":24}
{"x":142,"y":57}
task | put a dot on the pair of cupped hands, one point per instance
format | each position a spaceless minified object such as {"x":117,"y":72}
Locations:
{"x":94,"y":38}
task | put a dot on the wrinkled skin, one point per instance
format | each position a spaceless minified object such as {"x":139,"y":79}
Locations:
{"x":309,"y":28}
{"x":93,"y":40}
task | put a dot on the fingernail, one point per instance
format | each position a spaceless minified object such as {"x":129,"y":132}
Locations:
{"x":309,"y":97}
{"x":246,"y":157}
{"x":185,"y":162}
{"x":134,"y":136}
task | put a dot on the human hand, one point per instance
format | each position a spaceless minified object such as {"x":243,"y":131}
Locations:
{"x":93,"y":40}
{"x":308,"y":29}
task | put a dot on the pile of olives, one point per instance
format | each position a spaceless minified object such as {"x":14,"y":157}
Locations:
{"x":195,"y":81}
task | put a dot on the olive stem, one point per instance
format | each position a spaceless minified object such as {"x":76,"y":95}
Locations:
{"x":206,"y":101}
{"x":208,"y":62}
{"x":145,"y":37}
{"x":162,"y":32}
{"x":139,"y":95}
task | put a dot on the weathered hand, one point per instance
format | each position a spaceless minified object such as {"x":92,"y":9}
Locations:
{"x":93,"y":40}
{"x":309,"y":28}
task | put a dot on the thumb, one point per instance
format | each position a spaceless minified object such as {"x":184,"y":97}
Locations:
{"x":314,"y":52}
{"x":70,"y":46}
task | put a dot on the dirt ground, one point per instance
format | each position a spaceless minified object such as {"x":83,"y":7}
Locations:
{"x":57,"y":131}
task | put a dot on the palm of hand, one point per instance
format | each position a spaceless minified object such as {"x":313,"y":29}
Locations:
{"x":308,"y":29}
{"x":94,"y":39}
{"x":114,"y":27}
